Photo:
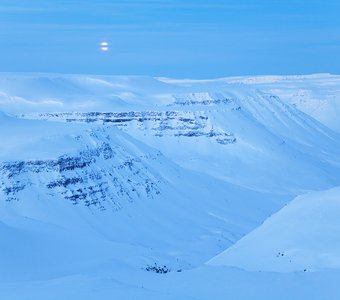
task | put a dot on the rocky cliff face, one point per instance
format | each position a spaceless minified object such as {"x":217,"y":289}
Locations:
{"x":101,"y":174}
{"x":157,"y":123}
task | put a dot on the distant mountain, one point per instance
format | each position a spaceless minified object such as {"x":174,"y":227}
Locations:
{"x":316,"y":95}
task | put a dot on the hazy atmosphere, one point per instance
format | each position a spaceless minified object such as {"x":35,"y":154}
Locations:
{"x":171,"y":38}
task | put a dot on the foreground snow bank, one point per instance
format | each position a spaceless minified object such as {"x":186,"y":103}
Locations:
{"x":301,"y":236}
{"x":205,"y":283}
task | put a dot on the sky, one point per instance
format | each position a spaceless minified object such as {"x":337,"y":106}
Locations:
{"x":173,"y":38}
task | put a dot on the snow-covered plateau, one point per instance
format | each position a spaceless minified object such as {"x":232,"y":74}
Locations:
{"x":129,"y":187}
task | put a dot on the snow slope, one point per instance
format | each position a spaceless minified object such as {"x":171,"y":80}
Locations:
{"x":301,"y":236}
{"x":317,"y":95}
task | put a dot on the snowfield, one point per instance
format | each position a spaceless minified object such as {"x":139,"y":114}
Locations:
{"x":154,"y":188}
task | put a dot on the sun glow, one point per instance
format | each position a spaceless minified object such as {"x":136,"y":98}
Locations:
{"x":104,"y":46}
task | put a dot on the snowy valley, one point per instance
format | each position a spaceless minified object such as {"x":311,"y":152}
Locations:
{"x":134,"y":187}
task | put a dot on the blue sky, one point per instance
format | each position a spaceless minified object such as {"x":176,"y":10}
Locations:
{"x":186,"y":38}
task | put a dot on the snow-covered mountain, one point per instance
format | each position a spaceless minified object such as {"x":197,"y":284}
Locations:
{"x":84,"y":178}
{"x":121,"y":178}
